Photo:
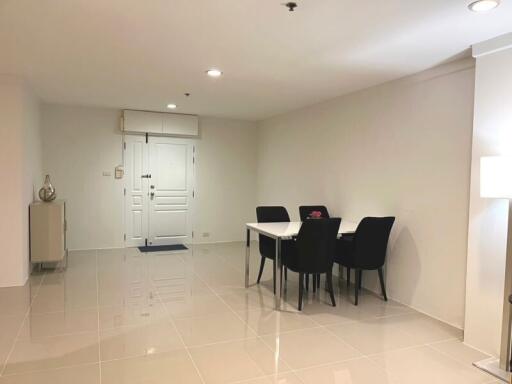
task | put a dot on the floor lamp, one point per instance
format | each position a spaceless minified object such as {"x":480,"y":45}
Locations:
{"x":496,"y":182}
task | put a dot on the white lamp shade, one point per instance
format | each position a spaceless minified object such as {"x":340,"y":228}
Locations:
{"x":496,"y":177}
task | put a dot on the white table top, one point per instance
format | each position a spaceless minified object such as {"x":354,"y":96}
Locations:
{"x":290,"y":229}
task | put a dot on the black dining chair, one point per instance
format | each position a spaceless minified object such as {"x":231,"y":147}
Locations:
{"x":366,"y":250}
{"x":312,"y":251}
{"x":270,"y":214}
{"x":305,"y":211}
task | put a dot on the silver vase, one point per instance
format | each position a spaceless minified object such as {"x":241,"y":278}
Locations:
{"x":47,"y":192}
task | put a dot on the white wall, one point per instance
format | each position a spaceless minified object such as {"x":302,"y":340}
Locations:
{"x":492,"y":135}
{"x":402,"y":149}
{"x":81,"y":142}
{"x":20,"y":173}
{"x":226,"y":179}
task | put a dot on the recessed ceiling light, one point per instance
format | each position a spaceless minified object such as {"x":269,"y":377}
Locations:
{"x":483,"y":5}
{"x":172,"y":106}
{"x":214,"y":72}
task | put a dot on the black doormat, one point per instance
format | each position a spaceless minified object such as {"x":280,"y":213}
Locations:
{"x":160,"y":248}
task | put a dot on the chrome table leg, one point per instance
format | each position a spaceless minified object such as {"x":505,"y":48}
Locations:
{"x":247,"y":257}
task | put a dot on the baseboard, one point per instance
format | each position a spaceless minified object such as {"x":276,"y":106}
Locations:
{"x":429,"y":315}
{"x":378,"y":293}
{"x":193,"y":243}
{"x":216,"y":242}
{"x":417,"y":310}
{"x":94,"y":249}
{"x":15,"y":283}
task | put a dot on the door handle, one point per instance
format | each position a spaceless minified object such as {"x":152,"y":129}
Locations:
{"x":148,"y":176}
{"x":152,"y":194}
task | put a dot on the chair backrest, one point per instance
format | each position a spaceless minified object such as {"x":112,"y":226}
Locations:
{"x":371,"y":241}
{"x":305,"y":211}
{"x":270,"y":214}
{"x":316,"y":244}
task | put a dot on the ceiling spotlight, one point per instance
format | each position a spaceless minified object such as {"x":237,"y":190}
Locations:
{"x":214,"y":72}
{"x":172,"y":106}
{"x":483,"y":5}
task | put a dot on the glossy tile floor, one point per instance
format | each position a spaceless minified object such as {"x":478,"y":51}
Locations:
{"x":118,"y":316}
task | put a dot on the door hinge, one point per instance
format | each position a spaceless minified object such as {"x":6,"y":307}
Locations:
{"x":125,"y":191}
{"x":193,"y":193}
{"x":124,"y":145}
{"x":192,"y":234}
{"x":147,"y":137}
{"x":125,"y":237}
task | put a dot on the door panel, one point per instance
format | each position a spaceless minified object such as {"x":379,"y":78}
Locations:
{"x":171,"y":164}
{"x":171,"y":200}
{"x":169,"y":224}
{"x":136,"y":211}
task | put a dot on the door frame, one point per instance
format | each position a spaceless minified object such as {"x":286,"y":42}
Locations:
{"x":192,"y":210}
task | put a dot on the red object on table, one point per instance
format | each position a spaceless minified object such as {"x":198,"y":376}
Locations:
{"x":315,"y":215}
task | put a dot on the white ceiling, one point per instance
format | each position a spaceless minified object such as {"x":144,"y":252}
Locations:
{"x":143,"y":54}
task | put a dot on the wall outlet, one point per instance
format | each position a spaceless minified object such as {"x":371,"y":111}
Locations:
{"x":206,"y":234}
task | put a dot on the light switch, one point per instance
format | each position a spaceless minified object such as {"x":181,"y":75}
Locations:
{"x":107,"y":173}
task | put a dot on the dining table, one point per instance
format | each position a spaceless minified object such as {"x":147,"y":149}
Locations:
{"x":282,"y":231}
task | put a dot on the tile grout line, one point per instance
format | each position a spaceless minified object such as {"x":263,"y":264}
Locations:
{"x":51,"y":369}
{"x":431,"y":347}
{"x":217,"y":294}
{"x":295,"y":371}
{"x":27,"y":312}
{"x":371,"y":356}
{"x":326,"y":327}
{"x":292,"y":370}
{"x":98,"y":317}
{"x":258,"y":337}
{"x":171,"y":320}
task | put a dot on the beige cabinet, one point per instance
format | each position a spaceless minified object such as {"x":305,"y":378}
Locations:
{"x":141,"y":121}
{"x":180,"y":125}
{"x":160,"y":124}
{"x":47,"y":231}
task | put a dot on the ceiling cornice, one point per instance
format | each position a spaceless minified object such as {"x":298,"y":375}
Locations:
{"x":497,"y":44}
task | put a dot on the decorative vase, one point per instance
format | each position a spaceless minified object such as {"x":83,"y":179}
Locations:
{"x":47,"y":192}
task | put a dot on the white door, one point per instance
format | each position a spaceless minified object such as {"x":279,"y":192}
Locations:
{"x":171,"y":190}
{"x":167,"y":185}
{"x":136,"y":190}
